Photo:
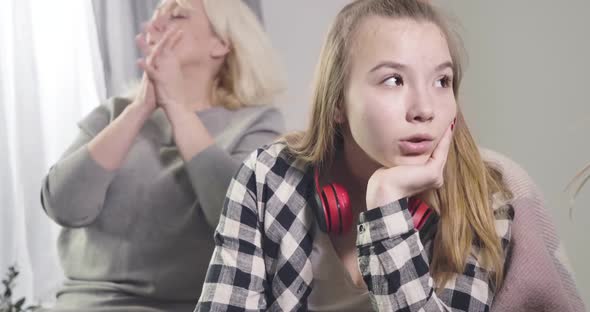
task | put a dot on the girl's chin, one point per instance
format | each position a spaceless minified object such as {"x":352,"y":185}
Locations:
{"x":402,"y":160}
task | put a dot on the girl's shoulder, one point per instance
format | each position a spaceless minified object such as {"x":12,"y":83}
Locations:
{"x":275,"y":161}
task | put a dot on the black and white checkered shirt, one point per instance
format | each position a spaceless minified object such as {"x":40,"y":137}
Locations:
{"x":265,"y":237}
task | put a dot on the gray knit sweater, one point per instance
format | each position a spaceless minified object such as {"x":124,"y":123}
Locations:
{"x":140,"y":238}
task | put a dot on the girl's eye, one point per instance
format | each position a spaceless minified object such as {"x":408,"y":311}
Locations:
{"x":444,"y":82}
{"x":394,"y":81}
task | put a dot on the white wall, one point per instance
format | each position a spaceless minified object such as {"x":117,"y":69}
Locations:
{"x":526,"y":90}
{"x":298,"y":28}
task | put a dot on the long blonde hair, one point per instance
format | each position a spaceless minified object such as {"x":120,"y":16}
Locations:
{"x":465,"y":200}
{"x":252,"y":73}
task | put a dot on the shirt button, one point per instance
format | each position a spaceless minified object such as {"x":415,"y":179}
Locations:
{"x":300,"y":288}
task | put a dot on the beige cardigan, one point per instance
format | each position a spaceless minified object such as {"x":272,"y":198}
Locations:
{"x":537,"y":274}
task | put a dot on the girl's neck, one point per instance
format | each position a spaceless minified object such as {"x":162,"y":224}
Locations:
{"x":352,"y":168}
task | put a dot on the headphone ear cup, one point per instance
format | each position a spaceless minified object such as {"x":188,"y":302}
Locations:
{"x":320,"y":213}
{"x":346,"y":216}
{"x":420,"y":212}
{"x":332,"y":207}
{"x":337,"y":208}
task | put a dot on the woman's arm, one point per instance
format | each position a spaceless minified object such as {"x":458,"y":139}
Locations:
{"x":212,"y":169}
{"x":110,"y":147}
{"x":74,"y":190}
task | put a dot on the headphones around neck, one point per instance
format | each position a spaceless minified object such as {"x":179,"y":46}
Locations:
{"x":334,"y":214}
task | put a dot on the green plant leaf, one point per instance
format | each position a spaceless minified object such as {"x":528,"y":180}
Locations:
{"x":20,"y":303}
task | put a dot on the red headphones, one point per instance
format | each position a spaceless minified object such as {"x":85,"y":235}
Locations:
{"x":334,"y":214}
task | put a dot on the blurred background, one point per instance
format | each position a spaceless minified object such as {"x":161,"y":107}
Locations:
{"x":526,"y":94}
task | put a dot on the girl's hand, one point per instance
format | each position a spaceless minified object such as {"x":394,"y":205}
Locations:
{"x":388,"y":185}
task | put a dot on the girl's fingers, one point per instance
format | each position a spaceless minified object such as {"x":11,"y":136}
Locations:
{"x":441,"y":152}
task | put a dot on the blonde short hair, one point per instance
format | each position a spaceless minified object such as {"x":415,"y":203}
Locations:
{"x":252,"y":74}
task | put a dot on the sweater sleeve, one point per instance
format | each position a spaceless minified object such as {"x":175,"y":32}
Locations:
{"x":538,"y":257}
{"x":73,"y":192}
{"x":211,"y":170}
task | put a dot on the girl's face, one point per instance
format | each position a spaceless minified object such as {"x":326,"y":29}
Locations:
{"x":198,"y":45}
{"x":399,"y":95}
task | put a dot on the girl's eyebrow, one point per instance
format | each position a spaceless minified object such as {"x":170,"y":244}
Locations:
{"x":401,"y":67}
{"x":389,"y":64}
{"x":445,"y":65}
